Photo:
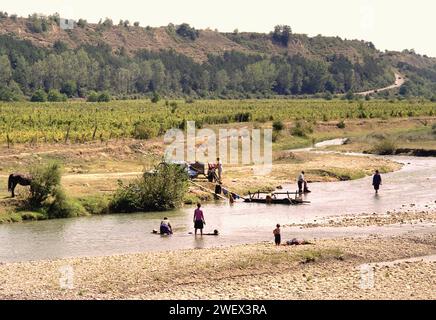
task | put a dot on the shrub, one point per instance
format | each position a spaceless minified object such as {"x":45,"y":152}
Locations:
{"x":349,"y":96}
{"x":433,"y":128}
{"x":301,"y":129}
{"x":328,"y":96}
{"x":92,"y":96}
{"x":39,"y":96}
{"x":45,"y":179}
{"x":385,"y":147}
{"x":341,"y":124}
{"x":155,"y":98}
{"x":186,"y":31}
{"x":276,"y":136}
{"x":58,"y":206}
{"x":95,"y":204}
{"x":47,"y":195}
{"x":104,"y":97}
{"x":69,"y":88}
{"x":278,"y":125}
{"x":82,"y":23}
{"x":37,"y":24}
{"x":162,"y":189}
{"x":55,"y":96}
{"x":8,"y":95}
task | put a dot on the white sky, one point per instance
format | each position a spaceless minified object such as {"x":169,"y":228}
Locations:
{"x":389,"y":24}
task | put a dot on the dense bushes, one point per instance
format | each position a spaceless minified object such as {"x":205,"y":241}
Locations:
{"x":39,"y":96}
{"x":98,"y":97}
{"x":47,"y":195}
{"x":162,"y":189}
{"x":55,"y":96}
{"x":282,"y":34}
{"x":186,"y":31}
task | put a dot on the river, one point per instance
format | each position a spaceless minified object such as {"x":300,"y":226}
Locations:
{"x":411,"y":187}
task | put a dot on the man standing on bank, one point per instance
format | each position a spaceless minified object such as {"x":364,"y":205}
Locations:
{"x":376,"y":181}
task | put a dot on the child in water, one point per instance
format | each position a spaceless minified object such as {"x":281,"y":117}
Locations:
{"x":277,"y":237}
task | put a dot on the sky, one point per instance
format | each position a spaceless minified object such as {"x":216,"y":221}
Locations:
{"x":389,"y":24}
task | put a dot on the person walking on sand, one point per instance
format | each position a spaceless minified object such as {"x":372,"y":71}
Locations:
{"x":199,"y":221}
{"x":376,"y":181}
{"x":277,"y":236}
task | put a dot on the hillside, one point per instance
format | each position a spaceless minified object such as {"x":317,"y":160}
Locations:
{"x":178,"y":61}
{"x":133,"y":38}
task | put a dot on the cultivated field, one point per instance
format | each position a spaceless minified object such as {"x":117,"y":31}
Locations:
{"x":79,"y":122}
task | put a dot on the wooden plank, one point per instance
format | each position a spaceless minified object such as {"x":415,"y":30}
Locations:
{"x":208,"y":190}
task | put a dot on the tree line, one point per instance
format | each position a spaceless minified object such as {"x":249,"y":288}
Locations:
{"x":62,"y":73}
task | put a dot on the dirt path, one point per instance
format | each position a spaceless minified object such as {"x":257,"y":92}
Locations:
{"x":399,"y":81}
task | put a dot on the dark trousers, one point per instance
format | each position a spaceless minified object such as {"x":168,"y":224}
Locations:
{"x":300,"y":186}
{"x":277,"y":239}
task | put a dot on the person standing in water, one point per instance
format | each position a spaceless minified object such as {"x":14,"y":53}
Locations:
{"x":376,"y":181}
{"x":199,"y":221}
{"x":301,"y":182}
{"x":219,"y":166}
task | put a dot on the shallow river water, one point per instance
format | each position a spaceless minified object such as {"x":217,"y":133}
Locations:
{"x":414,"y":184}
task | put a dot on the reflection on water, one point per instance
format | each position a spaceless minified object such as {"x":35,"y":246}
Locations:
{"x":239,"y":223}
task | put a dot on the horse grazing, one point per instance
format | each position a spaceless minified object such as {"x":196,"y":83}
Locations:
{"x":18,"y":178}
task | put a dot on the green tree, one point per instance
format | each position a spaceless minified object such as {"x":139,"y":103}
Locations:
{"x":5,"y":70}
{"x":260,"y":76}
{"x":92,"y":96}
{"x":55,"y":96}
{"x":69,"y":88}
{"x":104,"y":97}
{"x":186,"y":31}
{"x":39,"y":96}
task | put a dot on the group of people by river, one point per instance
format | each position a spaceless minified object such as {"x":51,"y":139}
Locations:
{"x":199,"y":220}
{"x":302,"y":188}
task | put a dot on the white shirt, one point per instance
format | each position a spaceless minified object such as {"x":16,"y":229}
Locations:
{"x":301,"y":177}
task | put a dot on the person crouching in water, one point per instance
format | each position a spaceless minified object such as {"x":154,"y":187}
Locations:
{"x":277,"y":236}
{"x":376,"y":181}
{"x":165,"y":227}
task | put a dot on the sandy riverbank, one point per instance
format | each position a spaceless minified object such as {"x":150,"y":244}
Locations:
{"x":326,"y":269}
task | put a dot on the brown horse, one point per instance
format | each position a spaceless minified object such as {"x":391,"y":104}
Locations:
{"x":18,"y":178}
